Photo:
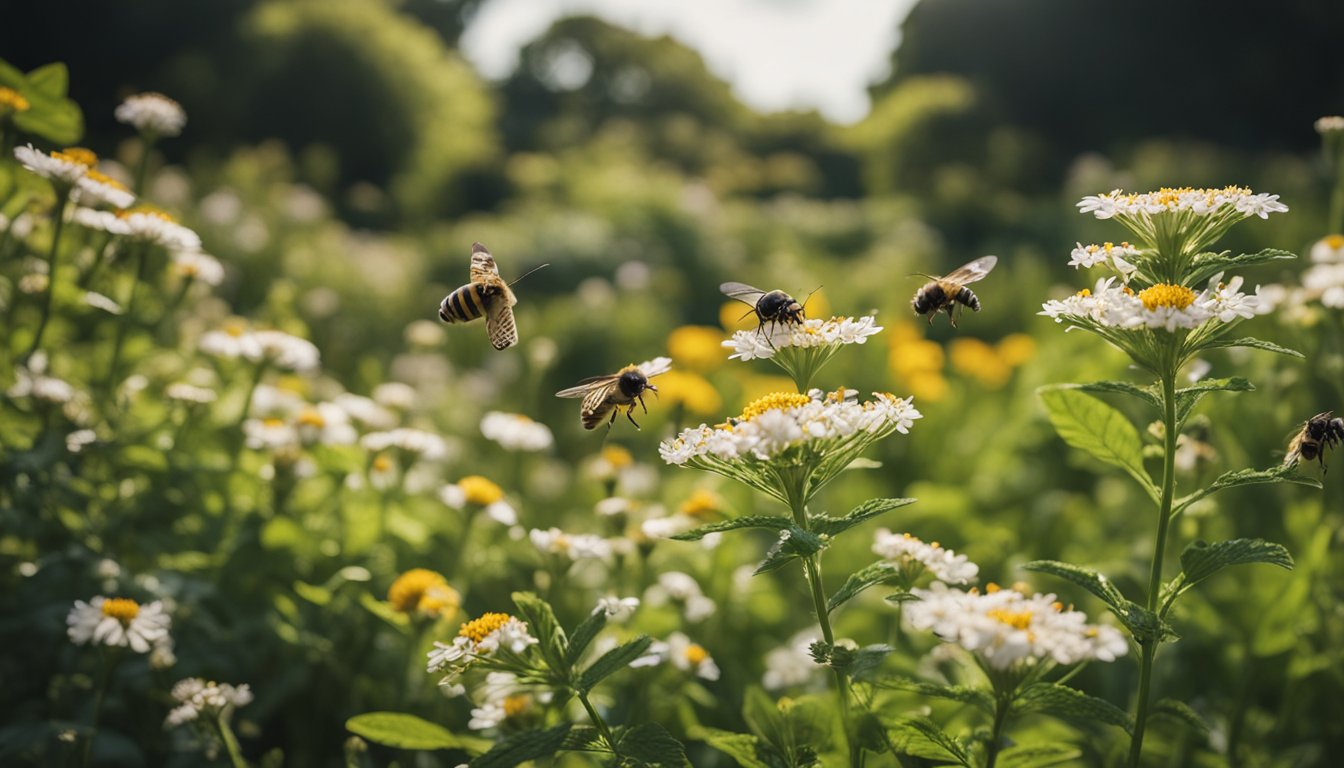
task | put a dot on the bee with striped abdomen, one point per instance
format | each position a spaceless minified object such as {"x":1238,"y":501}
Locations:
{"x":604,"y":395}
{"x":948,"y":291}
{"x":1319,"y":432}
{"x":487,"y":294}
{"x":769,"y":306}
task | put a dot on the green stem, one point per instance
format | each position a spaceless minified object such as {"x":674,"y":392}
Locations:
{"x":598,"y":722}
{"x":230,"y":742}
{"x":1001,"y":707}
{"x":142,"y":168}
{"x":127,"y":318}
{"x":107,"y":661}
{"x":57,"y":226}
{"x":1149,"y":645}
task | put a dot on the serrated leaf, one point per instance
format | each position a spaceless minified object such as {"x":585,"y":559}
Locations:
{"x":1206,"y":265}
{"x":771,"y":522}
{"x":1037,"y":755}
{"x":1117,"y":387}
{"x":865,"y":511}
{"x":1070,"y":704}
{"x":542,"y":624}
{"x":1249,"y":343}
{"x":650,"y":744}
{"x":867,"y":659}
{"x":1201,"y":560}
{"x":583,"y":635}
{"x":616,"y":659}
{"x":964,"y":694}
{"x":585,"y":738}
{"x":1179,"y":711}
{"x":1188,"y":397}
{"x":522,"y":747}
{"x":403,"y":731}
{"x":1276,"y":474}
{"x":747,"y":750}
{"x":1090,"y":425}
{"x":1088,"y":578}
{"x":860,"y":580}
{"x":798,"y":543}
{"x":921,"y":737}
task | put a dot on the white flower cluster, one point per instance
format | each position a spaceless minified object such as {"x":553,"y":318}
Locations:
{"x":1003,"y":626}
{"x":943,"y":564}
{"x":682,"y":589}
{"x":118,"y":622}
{"x":152,"y":113}
{"x":617,"y":608}
{"x":482,"y":638}
{"x":764,"y":342}
{"x":516,"y":432}
{"x":1119,"y":258}
{"x":575,"y":546}
{"x":1160,"y":306}
{"x":425,"y":445}
{"x":502,"y":696}
{"x":1201,"y":202}
{"x":198,"y":266}
{"x":197,"y":697}
{"x":1330,"y":124}
{"x":680,"y":652}
{"x":277,"y":348}
{"x":777,"y":422}
{"x":791,"y":665}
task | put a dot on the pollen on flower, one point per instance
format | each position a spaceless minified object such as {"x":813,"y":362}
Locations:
{"x":1084,"y":293}
{"x":1014,"y":619}
{"x":516,"y":704}
{"x":13,"y":100}
{"x":122,"y":609}
{"x":476,"y":630}
{"x":479,"y":490}
{"x":146,"y":210}
{"x":103,"y":178}
{"x":79,"y":155}
{"x":696,"y":653}
{"x":1166,"y":295}
{"x":310,"y":417}
{"x":381,"y":463}
{"x":774,"y":401}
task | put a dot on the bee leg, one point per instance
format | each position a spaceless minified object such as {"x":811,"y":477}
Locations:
{"x":640,"y":398}
{"x":630,"y":414}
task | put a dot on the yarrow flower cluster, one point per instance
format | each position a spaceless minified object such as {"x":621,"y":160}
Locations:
{"x":916,"y":557}
{"x":480,"y":640}
{"x":119,"y":622}
{"x":516,"y":432}
{"x":1201,"y":202}
{"x":1118,"y":257}
{"x":1166,"y":306}
{"x":767,"y":341}
{"x":199,"y":699}
{"x":1004,"y":627}
{"x":152,"y":113}
{"x":276,"y":348}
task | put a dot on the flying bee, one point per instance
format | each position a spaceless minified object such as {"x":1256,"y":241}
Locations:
{"x":604,"y":395}
{"x":948,"y":291}
{"x":487,"y":294}
{"x":772,"y":307}
{"x":1321,"y":431}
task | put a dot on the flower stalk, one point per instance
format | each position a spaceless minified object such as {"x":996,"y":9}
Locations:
{"x":58,"y":225}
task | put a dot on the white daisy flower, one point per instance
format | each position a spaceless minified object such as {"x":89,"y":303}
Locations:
{"x":188,"y":393}
{"x":324,"y":424}
{"x":680,"y":652}
{"x":682,"y":589}
{"x":916,"y":556}
{"x":117,"y":621}
{"x":61,"y":168}
{"x":478,"y":640}
{"x":1119,"y":258}
{"x":396,"y":395}
{"x":575,"y":546}
{"x":516,"y":432}
{"x":157,"y":227}
{"x":1330,"y":124}
{"x":1328,"y":250}
{"x":152,"y":113}
{"x":198,"y":698}
{"x":269,"y":434}
{"x":101,"y":221}
{"x":617,"y":608}
{"x":425,"y":445}
{"x":283,"y":350}
{"x":1165,"y":306}
{"x":198,"y":266}
{"x":365,"y":411}
{"x":95,"y":189}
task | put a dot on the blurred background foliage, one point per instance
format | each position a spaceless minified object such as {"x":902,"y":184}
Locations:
{"x":341,"y":157}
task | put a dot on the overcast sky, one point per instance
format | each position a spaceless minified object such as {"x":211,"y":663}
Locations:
{"x":777,"y":54}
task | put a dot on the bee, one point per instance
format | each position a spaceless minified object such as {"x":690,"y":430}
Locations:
{"x":604,"y":395}
{"x":948,"y":291}
{"x":772,"y":307}
{"x":487,"y":294}
{"x":1319,"y":432}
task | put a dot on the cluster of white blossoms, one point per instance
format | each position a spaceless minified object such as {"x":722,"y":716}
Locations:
{"x":422,"y":444}
{"x":1200,"y":202}
{"x":152,"y":113}
{"x":617,"y":608}
{"x":764,"y":342}
{"x":483,"y":493}
{"x":478,"y":639}
{"x":1119,"y":258}
{"x":1166,"y":306}
{"x":675,"y":587}
{"x":197,"y":698}
{"x":680,"y":652}
{"x":774,"y":423}
{"x":503,"y":697}
{"x":276,"y":348}
{"x":575,"y":546}
{"x":516,"y":432}
{"x":198,"y":266}
{"x":1003,"y":626}
{"x":118,"y":621}
{"x":917,"y":556}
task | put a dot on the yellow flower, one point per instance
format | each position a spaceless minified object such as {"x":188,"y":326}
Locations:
{"x":697,"y":348}
{"x":774,"y":401}
{"x":476,"y":630}
{"x":927,"y":387}
{"x":1016,"y":349}
{"x":702,"y":503}
{"x":616,"y":456}
{"x":973,"y":357}
{"x":1166,"y":295}
{"x":732,"y":319}
{"x":755,"y":386}
{"x":692,"y":390}
{"x":12,"y":101}
{"x":423,"y":591}
{"x":479,"y":490}
{"x":120,"y":608}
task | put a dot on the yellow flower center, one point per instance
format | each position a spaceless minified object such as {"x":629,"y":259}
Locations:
{"x":1335,"y":241}
{"x":991,"y":588}
{"x":310,"y":417}
{"x":1166,"y":295}
{"x":476,"y":630}
{"x":77,"y":155}
{"x":1014,"y":619}
{"x":103,"y":178}
{"x":774,"y":401}
{"x":1083,"y":294}
{"x":517,"y":704}
{"x":701,"y":503}
{"x":146,"y":210}
{"x":122,"y":609}
{"x":479,"y":490}
{"x":235,"y":328}
{"x":273,"y":422}
{"x":617,"y":456}
{"x":695,"y":654}
{"x":13,"y":99}
{"x":381,"y":463}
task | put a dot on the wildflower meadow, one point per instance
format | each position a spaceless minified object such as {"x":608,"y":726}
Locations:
{"x":357,"y":409}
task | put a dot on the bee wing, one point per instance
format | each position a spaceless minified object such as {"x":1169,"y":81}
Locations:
{"x":656,"y":366}
{"x":592,"y":384}
{"x":499,"y":323}
{"x":742,"y":292}
{"x":483,"y":266}
{"x":969,"y":273}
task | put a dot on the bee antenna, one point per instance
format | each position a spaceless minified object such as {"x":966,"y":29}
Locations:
{"x":922,"y":274}
{"x":528,"y":272}
{"x":809,"y":295}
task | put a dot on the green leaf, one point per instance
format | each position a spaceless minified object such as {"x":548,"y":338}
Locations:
{"x":1037,"y":755}
{"x":798,"y":543}
{"x":1088,"y":578}
{"x":616,"y":659}
{"x":1188,"y":397}
{"x":862,"y":579}
{"x":771,"y":522}
{"x":585,"y":738}
{"x":1090,"y":425}
{"x":312,"y":593}
{"x":51,"y":80}
{"x":1206,"y":265}
{"x":1201,"y":560}
{"x":921,"y":737}
{"x":747,"y":750}
{"x":1070,"y":704}
{"x":865,"y":511}
{"x":384,"y":610}
{"x":650,"y":744}
{"x":1120,"y":387}
{"x":962,"y":693}
{"x":583,"y":635}
{"x":1172,"y":709}
{"x":542,"y":624}
{"x":522,"y":747}
{"x":1249,"y":343}
{"x":396,"y":729}
{"x":1276,"y":474}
